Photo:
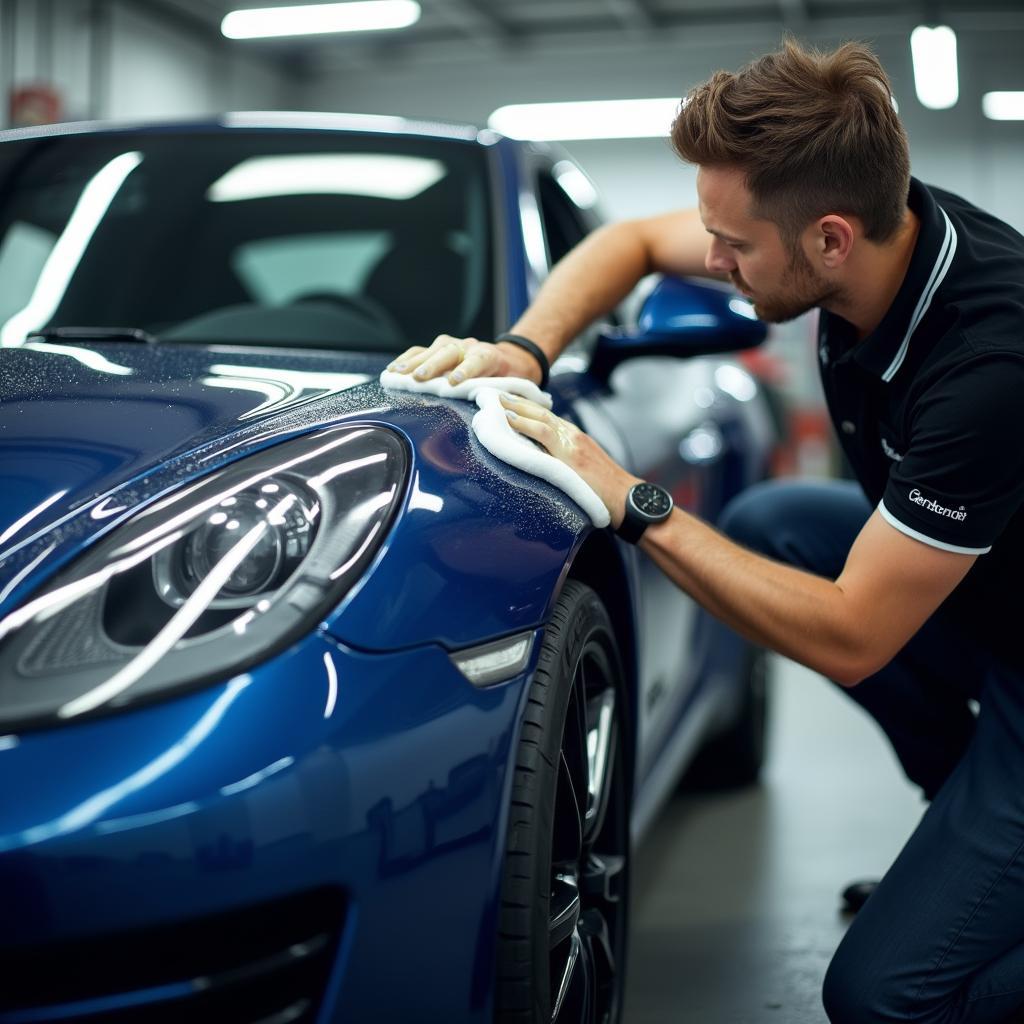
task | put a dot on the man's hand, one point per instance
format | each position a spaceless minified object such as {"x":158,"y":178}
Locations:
{"x":576,"y":449}
{"x":462,"y":358}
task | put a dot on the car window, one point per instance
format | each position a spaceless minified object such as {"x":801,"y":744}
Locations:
{"x":361,"y":242}
{"x":563,"y":226}
{"x":280,"y":270}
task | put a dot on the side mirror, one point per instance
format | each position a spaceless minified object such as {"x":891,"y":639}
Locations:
{"x":681,"y":318}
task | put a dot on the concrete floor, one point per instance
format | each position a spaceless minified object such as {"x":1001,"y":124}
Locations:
{"x":735,"y":897}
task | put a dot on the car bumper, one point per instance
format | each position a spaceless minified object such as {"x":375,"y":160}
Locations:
{"x":354,"y":797}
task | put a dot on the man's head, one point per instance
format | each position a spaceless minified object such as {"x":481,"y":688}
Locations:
{"x":799,"y":154}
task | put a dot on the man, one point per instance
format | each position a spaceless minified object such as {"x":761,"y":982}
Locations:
{"x":901,"y":589}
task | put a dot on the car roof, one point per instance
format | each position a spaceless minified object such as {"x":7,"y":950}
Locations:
{"x":273,"y":120}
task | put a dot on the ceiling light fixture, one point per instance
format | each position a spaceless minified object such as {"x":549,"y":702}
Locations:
{"x":314,"y":19}
{"x":1003,"y":106}
{"x":935,"y":71}
{"x":587,"y":119}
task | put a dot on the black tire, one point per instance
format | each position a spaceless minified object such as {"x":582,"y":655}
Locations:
{"x":564,"y":896}
{"x":734,"y":758}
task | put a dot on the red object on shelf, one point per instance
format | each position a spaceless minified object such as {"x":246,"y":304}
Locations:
{"x":35,"y":104}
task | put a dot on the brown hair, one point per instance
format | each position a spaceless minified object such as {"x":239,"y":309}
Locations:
{"x":814,"y":133}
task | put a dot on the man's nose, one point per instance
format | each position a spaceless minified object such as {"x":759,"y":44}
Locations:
{"x":717,"y":260}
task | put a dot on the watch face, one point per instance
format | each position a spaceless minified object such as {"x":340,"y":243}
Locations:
{"x":651,"y":501}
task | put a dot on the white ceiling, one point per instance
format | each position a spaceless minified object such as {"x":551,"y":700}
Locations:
{"x":506,"y":27}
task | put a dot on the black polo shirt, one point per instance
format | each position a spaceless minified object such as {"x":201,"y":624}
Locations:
{"x":929,"y":408}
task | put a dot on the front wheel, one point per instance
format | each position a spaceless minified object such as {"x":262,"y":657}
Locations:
{"x":562,"y":941}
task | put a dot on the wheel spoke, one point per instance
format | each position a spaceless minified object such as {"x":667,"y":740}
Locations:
{"x":597,"y":948}
{"x":565,"y":910}
{"x":602,"y":737}
{"x":589,"y":1008}
{"x":594,"y":927}
{"x":574,"y":742}
{"x":567,"y":840}
{"x":570,"y":973}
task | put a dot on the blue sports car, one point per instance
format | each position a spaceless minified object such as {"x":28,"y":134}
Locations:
{"x":310,"y":708}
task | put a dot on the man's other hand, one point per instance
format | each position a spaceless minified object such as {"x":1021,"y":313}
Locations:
{"x":462,"y":358}
{"x":567,"y":443}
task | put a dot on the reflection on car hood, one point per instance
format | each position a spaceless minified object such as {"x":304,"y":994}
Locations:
{"x":78,"y":421}
{"x":89,"y":434}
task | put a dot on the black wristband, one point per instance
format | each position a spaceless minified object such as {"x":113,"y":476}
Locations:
{"x":534,"y":349}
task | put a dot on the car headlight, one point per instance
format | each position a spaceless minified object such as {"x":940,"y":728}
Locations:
{"x":209,"y":580}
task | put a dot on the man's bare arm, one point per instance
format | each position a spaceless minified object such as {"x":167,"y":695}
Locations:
{"x":605,"y":267}
{"x":589,"y":282}
{"x":847,"y":629}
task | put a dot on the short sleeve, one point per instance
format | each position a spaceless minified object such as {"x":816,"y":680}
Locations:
{"x":962,"y":477}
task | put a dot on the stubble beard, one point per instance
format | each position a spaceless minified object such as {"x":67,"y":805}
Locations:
{"x":802,"y":289}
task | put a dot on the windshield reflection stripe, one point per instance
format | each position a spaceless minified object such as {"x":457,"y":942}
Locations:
{"x":177,"y":626}
{"x":346,"y":467}
{"x":332,"y":684}
{"x":30,"y":515}
{"x":342,"y":569}
{"x":48,"y":604}
{"x":86,"y":356}
{"x":209,"y":503}
{"x":69,"y":248}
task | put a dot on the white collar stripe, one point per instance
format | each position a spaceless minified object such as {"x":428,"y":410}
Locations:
{"x":939,"y":271}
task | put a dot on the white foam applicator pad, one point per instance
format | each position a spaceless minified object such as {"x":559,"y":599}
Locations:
{"x":497,"y":435}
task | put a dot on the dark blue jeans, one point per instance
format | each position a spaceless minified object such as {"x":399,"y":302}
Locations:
{"x":942,"y":938}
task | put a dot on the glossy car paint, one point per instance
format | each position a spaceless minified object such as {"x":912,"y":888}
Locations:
{"x":359,"y":757}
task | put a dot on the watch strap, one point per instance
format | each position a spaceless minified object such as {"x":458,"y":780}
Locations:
{"x":631,"y":529}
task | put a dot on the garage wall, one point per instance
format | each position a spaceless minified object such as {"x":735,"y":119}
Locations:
{"x":957,"y":149}
{"x":114,"y":60}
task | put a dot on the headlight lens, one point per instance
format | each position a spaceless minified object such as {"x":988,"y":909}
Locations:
{"x":205,"y":582}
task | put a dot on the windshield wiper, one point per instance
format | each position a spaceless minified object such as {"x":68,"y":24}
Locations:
{"x":96,"y":334}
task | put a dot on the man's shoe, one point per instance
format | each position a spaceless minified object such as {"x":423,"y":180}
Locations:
{"x":856,"y":894}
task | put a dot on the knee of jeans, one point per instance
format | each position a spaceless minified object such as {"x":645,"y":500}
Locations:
{"x":854,"y":992}
{"x":748,"y":519}
{"x":844,"y":994}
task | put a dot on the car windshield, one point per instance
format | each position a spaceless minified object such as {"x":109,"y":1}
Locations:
{"x":308,"y":238}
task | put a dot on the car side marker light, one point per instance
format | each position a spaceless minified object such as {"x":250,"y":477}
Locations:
{"x":495,"y":662}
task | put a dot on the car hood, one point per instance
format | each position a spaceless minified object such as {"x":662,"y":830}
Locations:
{"x":88,"y":433}
{"x":78,"y":422}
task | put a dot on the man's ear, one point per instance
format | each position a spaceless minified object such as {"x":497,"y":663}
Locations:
{"x":833,"y":240}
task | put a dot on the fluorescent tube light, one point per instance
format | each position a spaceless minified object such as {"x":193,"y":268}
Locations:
{"x":1003,"y":106}
{"x":587,"y":119}
{"x":379,"y":175}
{"x":313,"y":19}
{"x":935,"y":72}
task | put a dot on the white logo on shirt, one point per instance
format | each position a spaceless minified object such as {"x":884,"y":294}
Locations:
{"x":933,"y":506}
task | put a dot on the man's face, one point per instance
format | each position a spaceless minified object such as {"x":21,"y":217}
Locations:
{"x":778,"y":279}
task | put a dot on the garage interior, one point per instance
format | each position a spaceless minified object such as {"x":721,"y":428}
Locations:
{"x":736,"y":895}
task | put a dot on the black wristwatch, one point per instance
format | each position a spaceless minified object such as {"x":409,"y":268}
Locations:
{"x":645,"y":504}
